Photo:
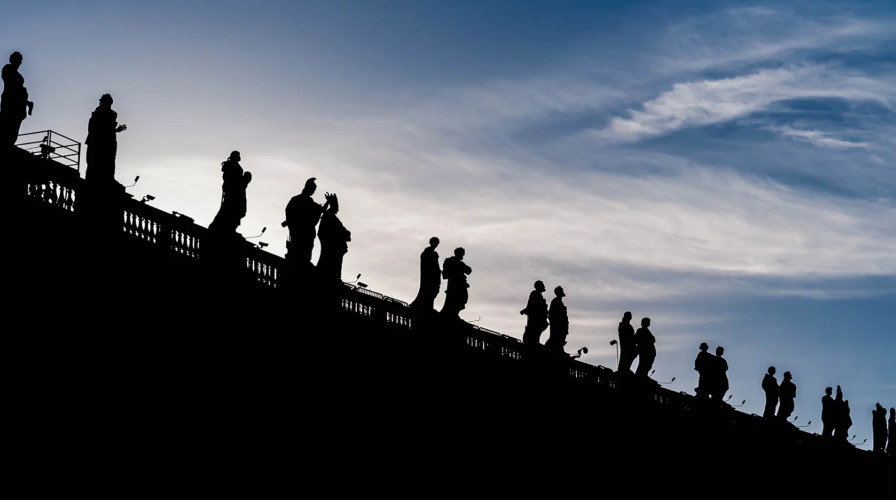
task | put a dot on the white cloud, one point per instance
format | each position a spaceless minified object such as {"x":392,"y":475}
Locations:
{"x":818,"y":138}
{"x":707,"y":102}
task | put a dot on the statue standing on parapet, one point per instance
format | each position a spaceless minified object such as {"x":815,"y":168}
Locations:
{"x":334,"y":238}
{"x":14,"y":103}
{"x":233,"y":196}
{"x":456,"y":294}
{"x":879,"y":427}
{"x":627,"y":345}
{"x":770,"y":386}
{"x":302,"y":216}
{"x":719,"y":375}
{"x":102,"y":143}
{"x":786,"y":394}
{"x":841,"y":431}
{"x":703,"y":366}
{"x":430,"y":278}
{"x":559,"y":319}
{"x":537,"y":315}
{"x":891,"y":423}
{"x":828,"y":413}
{"x":646,"y":345}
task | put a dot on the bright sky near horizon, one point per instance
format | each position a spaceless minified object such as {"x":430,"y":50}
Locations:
{"x":726,"y":168}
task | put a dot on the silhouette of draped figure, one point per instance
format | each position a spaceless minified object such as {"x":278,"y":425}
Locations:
{"x":645,"y":342}
{"x":718,"y":384}
{"x":770,"y":386}
{"x":536,"y":312}
{"x":891,"y":430}
{"x":233,"y":196}
{"x":102,"y":142}
{"x":828,"y":413}
{"x":430,"y":278}
{"x":786,"y":395}
{"x":14,"y":103}
{"x":334,"y":238}
{"x":879,"y":428}
{"x":559,"y":319}
{"x":456,"y":294}
{"x":627,"y":347}
{"x":703,"y":366}
{"x":302,"y":216}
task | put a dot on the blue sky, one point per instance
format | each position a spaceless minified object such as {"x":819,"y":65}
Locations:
{"x":725,"y":168}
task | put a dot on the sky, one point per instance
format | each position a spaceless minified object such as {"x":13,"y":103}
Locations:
{"x":727,"y":169}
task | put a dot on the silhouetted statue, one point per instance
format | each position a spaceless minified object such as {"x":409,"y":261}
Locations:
{"x":786,"y":393}
{"x":891,"y":423}
{"x":233,"y":196}
{"x":841,"y":422}
{"x":645,"y":343}
{"x":559,"y":322}
{"x":627,"y":347}
{"x":537,"y":315}
{"x":719,"y":379}
{"x":879,"y":427}
{"x":102,"y":143}
{"x":334,"y":238}
{"x":430,"y":278}
{"x":14,"y":103}
{"x":302,"y":216}
{"x":770,"y":386}
{"x":828,"y":413}
{"x":456,"y":294}
{"x":845,"y":421}
{"x":703,"y":366}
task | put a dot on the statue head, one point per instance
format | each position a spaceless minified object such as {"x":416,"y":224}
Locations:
{"x":828,"y":390}
{"x":234,"y":156}
{"x":459,"y":252}
{"x":559,"y":292}
{"x":539,"y":285}
{"x":787,"y":376}
{"x":15,"y":59}
{"x":310,"y":186}
{"x":771,"y":370}
{"x":106,"y":100}
{"x":434,"y":242}
{"x":645,"y":322}
{"x":704,"y":346}
{"x":627,"y":316}
{"x":719,"y":351}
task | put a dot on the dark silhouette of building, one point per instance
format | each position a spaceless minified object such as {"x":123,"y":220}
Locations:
{"x":177,"y":358}
{"x":828,"y":413}
{"x":627,"y":346}
{"x":719,"y":369}
{"x":430,"y":278}
{"x":233,"y":196}
{"x":645,"y":343}
{"x":302,"y":216}
{"x":559,"y":319}
{"x":703,"y":366}
{"x":537,"y":315}
{"x":770,"y":386}
{"x":334,"y":238}
{"x":786,"y":395}
{"x":879,"y":427}
{"x":14,"y":103}
{"x":455,"y":271}
{"x":102,"y":143}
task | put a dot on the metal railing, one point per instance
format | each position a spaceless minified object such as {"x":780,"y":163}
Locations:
{"x":52,"y":146}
